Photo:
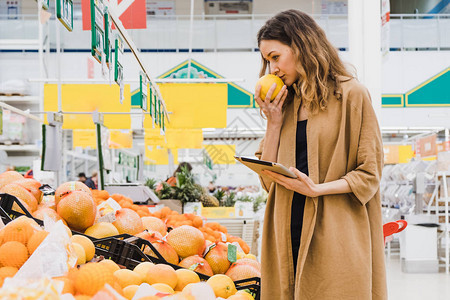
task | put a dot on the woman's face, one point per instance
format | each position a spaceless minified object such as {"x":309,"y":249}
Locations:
{"x":281,"y":60}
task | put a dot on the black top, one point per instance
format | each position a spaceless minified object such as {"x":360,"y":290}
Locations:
{"x":298,"y":201}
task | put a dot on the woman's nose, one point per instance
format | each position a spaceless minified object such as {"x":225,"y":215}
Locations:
{"x":274,"y":70}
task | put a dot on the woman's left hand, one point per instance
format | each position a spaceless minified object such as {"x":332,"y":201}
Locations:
{"x":302,"y":184}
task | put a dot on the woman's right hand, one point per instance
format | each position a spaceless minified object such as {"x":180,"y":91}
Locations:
{"x":272,"y":110}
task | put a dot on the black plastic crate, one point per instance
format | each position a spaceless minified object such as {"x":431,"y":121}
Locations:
{"x":126,"y":250}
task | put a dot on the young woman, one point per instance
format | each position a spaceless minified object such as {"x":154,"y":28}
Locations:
{"x":322,"y":231}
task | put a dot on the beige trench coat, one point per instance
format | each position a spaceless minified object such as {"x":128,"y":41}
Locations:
{"x":341,"y":252}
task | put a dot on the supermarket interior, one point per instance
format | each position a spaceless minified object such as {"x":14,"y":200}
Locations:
{"x":136,"y":135}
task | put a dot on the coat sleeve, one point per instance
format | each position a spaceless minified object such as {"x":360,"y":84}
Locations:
{"x":265,"y":182}
{"x":365,"y":174}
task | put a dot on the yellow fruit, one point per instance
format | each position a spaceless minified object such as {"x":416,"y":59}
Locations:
{"x":87,"y":244}
{"x":35,"y":240}
{"x":111,"y":265}
{"x":266,"y":83}
{"x":91,"y":278}
{"x":164,"y":288}
{"x":128,"y":221}
{"x":185,"y":277}
{"x":251,"y":256}
{"x":67,"y":188}
{"x":154,"y":224}
{"x":127,"y":277}
{"x":162,"y":274}
{"x":240,"y":297}
{"x":246,"y":295}
{"x":222,"y":285}
{"x":78,"y":210}
{"x":142,"y":269}
{"x":20,"y":230}
{"x":6,"y":272}
{"x":186,"y":240}
{"x":13,"y":254}
{"x":129,"y":291}
{"x":8,"y":177}
{"x":240,"y":255}
{"x":102,"y":230}
{"x":81,"y":254}
{"x":22,"y":194}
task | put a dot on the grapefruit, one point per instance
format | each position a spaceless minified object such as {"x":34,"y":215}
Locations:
{"x":32,"y":186}
{"x":197,"y":264}
{"x":102,"y":230}
{"x":187,"y":241}
{"x":217,"y":257}
{"x":266,"y":83}
{"x":185,"y":277}
{"x":22,"y":194}
{"x":128,"y":221}
{"x":242,"y":271}
{"x":8,"y":177}
{"x":78,"y":210}
{"x":161,"y":273}
{"x":68,"y":187}
{"x":169,"y":254}
{"x":154,"y":224}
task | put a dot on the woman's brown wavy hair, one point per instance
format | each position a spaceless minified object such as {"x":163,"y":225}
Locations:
{"x":318,"y":63}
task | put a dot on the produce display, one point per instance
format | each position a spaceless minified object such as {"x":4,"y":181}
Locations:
{"x":184,"y":240}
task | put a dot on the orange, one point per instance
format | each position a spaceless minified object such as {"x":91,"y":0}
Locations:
{"x":8,"y":177}
{"x":217,"y":257}
{"x":67,"y":188}
{"x":102,"y":230}
{"x":165,"y":211}
{"x":164,"y":288}
{"x":22,"y":194}
{"x":222,"y":285}
{"x":142,"y":269}
{"x":162,"y":274}
{"x":78,"y":210}
{"x":127,"y":277}
{"x":32,"y":186}
{"x":20,"y":230}
{"x":266,"y":83}
{"x":87,"y":244}
{"x":197,"y":221}
{"x":13,"y":254}
{"x":128,"y":221}
{"x":154,"y":224}
{"x":91,"y":278}
{"x":185,"y":277}
{"x":186,"y":240}
{"x":68,"y":285}
{"x":7,"y":272}
{"x":35,"y":240}
{"x":197,"y":264}
{"x":129,"y":291}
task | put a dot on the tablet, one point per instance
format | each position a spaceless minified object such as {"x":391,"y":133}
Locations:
{"x":260,"y":165}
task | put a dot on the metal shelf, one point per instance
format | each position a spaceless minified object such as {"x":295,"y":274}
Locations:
{"x":20,"y":99}
{"x":20,"y":148}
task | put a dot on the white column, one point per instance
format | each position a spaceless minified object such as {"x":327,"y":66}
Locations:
{"x":364,"y":29}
